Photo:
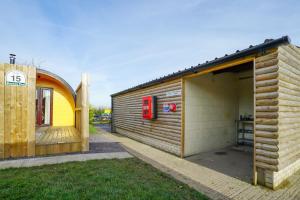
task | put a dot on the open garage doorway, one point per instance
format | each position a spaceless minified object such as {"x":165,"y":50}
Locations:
{"x":219,"y":120}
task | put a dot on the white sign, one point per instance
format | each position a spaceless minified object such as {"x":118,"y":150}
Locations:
{"x":166,"y":107}
{"x":15,"y":77}
{"x":173,"y":93}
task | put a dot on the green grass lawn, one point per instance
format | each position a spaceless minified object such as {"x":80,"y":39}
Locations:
{"x":102,"y":122}
{"x":96,"y":179}
{"x":92,"y":129}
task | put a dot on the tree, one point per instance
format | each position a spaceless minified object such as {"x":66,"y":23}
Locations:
{"x":92,"y":111}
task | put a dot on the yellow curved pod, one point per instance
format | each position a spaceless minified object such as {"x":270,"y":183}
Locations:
{"x":63,"y":101}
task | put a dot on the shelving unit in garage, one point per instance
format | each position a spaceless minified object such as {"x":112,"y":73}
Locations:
{"x":245,"y":132}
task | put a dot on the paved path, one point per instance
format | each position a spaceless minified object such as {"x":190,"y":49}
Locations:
{"x":100,"y":137}
{"x":106,"y":127}
{"x":209,"y":182}
{"x":29,"y":162}
{"x":101,"y":144}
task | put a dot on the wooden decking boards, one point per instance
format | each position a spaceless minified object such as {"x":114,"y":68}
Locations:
{"x":56,"y":140}
{"x":57,"y":135}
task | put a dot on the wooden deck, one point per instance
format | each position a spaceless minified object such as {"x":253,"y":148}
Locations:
{"x":56,"y":140}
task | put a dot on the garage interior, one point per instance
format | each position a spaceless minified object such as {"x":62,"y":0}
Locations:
{"x":219,"y":120}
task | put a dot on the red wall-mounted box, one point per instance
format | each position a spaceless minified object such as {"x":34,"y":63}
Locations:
{"x":149,"y":107}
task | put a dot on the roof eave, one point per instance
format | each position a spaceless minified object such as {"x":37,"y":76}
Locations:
{"x":61,"y":80}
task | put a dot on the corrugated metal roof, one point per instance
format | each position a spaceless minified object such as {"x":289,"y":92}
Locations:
{"x":267,"y":44}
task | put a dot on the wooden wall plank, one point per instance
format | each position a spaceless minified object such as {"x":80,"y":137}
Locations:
{"x":25,"y":116}
{"x":52,"y":149}
{"x":182,"y":117}
{"x":82,"y":112}
{"x":289,"y":105}
{"x":254,"y":169}
{"x":78,"y":109}
{"x":277,"y":128}
{"x":2,"y":111}
{"x":8,"y":109}
{"x":31,"y":87}
{"x":18,"y":134}
{"x":19,"y":112}
{"x":266,"y":72}
{"x":166,"y":132}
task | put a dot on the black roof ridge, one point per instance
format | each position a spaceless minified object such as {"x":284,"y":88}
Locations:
{"x":268,"y":43}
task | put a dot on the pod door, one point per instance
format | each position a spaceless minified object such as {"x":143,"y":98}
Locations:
{"x":44,"y":104}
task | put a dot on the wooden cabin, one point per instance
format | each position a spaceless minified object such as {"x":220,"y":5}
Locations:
{"x":40,"y":113}
{"x":250,"y":97}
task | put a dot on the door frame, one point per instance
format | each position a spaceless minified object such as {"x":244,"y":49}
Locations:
{"x":38,"y":116}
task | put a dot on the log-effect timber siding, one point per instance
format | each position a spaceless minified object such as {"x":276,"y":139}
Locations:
{"x":164,"y":132}
{"x":277,"y":126}
{"x":289,"y":105}
{"x":266,"y":115}
{"x":288,"y":111}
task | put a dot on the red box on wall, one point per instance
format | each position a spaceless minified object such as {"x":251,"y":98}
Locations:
{"x":149,"y":107}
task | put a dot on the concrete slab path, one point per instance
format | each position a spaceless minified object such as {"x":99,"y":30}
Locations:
{"x":30,"y":162}
{"x":207,"y":181}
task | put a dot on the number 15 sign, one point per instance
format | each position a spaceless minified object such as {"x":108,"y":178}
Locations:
{"x":15,"y":77}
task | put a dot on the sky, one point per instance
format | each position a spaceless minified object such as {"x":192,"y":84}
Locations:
{"x":125,"y":43}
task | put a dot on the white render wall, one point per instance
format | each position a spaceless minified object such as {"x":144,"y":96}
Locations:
{"x":245,"y":93}
{"x":211,"y":108}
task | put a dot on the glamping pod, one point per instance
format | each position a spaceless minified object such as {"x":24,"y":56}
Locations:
{"x":40,"y":113}
{"x":55,"y":100}
{"x":240,"y":111}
